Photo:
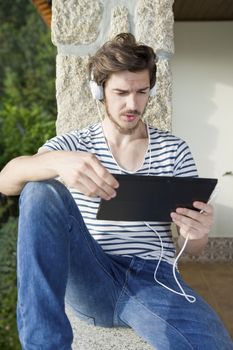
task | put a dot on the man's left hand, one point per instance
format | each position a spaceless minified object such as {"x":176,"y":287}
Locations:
{"x":195,"y":223}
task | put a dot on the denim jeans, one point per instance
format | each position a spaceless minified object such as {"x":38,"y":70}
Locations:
{"x":59,"y":262}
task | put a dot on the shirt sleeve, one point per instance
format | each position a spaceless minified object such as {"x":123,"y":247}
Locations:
{"x":184,"y":164}
{"x":66,"y":142}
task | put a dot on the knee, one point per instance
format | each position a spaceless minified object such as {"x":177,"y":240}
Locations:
{"x":36,"y":192}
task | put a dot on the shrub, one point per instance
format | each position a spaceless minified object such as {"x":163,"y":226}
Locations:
{"x":27,"y":120}
{"x":8,"y":290}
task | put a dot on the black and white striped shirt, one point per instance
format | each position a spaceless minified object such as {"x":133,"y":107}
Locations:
{"x":167,"y":155}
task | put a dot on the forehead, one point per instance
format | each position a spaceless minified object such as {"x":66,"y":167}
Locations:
{"x":126,"y":78}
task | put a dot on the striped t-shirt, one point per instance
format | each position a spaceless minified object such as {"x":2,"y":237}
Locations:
{"x":167,"y":155}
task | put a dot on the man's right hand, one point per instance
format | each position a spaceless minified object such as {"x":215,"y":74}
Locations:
{"x":80,"y":170}
{"x":83,"y":171}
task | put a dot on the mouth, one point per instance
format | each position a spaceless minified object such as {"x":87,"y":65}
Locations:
{"x":131,"y":117}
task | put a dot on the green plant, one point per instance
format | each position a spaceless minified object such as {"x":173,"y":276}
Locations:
{"x":27,"y":120}
{"x":8,"y":289}
{"x":27,"y":84}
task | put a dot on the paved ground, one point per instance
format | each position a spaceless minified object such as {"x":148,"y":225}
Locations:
{"x":88,"y":337}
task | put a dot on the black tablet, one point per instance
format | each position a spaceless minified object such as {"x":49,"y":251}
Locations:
{"x":153,"y":198}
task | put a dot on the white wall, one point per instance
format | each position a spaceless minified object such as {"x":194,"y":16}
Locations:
{"x":203,"y":106}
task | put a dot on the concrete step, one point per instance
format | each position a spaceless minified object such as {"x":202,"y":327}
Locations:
{"x":89,"y":337}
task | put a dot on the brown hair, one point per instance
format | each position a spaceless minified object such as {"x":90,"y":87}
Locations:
{"x":122,"y":53}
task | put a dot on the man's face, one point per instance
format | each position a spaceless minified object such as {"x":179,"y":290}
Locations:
{"x":126,"y":97}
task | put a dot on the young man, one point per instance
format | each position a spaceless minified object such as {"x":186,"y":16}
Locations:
{"x":107,"y":271}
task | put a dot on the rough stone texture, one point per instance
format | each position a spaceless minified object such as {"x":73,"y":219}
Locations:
{"x":75,"y":21}
{"x":159,"y":109}
{"x":89,"y":337}
{"x":119,"y":21}
{"x":154,"y":24}
{"x":75,"y":106}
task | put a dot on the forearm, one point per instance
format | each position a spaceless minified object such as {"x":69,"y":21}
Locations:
{"x":193,"y":246}
{"x":23,"y":169}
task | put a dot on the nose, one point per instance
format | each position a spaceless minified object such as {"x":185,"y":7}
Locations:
{"x":131,"y":102}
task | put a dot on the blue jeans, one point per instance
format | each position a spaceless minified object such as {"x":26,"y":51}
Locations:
{"x":59,"y":261}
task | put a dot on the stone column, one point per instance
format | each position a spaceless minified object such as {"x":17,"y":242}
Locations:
{"x":79,"y":28}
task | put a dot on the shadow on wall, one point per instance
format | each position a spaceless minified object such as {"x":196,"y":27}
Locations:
{"x":203,"y":59}
{"x":223,"y":226}
{"x":223,"y":214}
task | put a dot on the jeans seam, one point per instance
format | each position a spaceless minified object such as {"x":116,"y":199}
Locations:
{"x":122,"y":291}
{"x":94,"y":255}
{"x":145,"y":307}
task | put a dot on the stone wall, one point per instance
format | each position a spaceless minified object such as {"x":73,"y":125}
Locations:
{"x":80,"y":27}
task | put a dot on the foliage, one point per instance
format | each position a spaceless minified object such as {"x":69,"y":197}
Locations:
{"x":8,"y":207}
{"x":27,"y":84}
{"x":8,"y":291}
{"x":27,"y":120}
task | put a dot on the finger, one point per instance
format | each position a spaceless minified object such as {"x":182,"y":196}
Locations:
{"x":184,"y":220}
{"x":89,"y":188}
{"x":187,"y":222}
{"x":204,"y":207}
{"x":103,"y":173}
{"x":99,"y":183}
{"x":188,"y":226}
{"x":205,"y":220}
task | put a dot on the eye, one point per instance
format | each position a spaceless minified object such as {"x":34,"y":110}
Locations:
{"x":142,"y":92}
{"x":122,"y":93}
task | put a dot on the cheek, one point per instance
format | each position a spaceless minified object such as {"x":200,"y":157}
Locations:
{"x":143,"y":102}
{"x":116,"y":104}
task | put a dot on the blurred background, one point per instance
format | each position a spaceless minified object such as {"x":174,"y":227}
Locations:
{"x":27,"y":119}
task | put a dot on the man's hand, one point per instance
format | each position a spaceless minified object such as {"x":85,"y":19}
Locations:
{"x":80,"y":170}
{"x":83,"y":171}
{"x":195,"y":224}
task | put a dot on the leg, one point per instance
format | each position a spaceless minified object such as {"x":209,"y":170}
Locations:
{"x":56,"y":251}
{"x":166,"y":320}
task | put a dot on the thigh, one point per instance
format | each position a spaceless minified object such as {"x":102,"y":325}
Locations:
{"x":95,"y":279}
{"x":165,"y":319}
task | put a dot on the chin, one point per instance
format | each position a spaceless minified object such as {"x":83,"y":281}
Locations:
{"x":128,"y":129}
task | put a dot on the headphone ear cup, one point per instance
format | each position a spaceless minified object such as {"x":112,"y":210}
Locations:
{"x":97,"y":91}
{"x":153,"y":91}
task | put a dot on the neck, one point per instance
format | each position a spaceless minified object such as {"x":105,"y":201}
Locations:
{"x":116,"y":137}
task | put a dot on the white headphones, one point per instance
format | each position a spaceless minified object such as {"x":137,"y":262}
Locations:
{"x":97,"y":91}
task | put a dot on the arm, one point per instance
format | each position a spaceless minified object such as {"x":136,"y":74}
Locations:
{"x":80,"y":170}
{"x":196,"y":224}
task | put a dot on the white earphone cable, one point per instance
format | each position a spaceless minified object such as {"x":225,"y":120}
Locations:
{"x":189,"y":297}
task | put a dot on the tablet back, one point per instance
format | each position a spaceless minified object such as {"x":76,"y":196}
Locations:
{"x":153,"y":198}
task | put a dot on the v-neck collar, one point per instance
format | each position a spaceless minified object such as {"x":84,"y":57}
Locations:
{"x":147,"y":153}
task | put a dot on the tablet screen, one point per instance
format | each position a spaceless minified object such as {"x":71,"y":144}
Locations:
{"x":153,"y":198}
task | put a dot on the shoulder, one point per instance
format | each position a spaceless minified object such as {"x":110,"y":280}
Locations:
{"x":76,"y":140}
{"x":165,"y":138}
{"x":89,"y":131}
{"x":82,"y":136}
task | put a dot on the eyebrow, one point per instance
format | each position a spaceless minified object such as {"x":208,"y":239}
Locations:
{"x":122,"y":90}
